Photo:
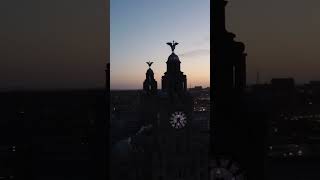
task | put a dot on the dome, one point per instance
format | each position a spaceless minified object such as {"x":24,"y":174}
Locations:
{"x":149,"y":71}
{"x":173,"y":58}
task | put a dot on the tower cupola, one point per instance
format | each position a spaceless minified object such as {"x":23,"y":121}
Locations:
{"x":174,"y":81}
{"x":150,"y":84}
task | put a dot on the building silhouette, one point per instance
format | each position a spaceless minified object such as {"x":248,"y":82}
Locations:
{"x":237,"y":124}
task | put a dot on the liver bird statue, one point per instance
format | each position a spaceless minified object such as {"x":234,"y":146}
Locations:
{"x":149,"y":63}
{"x":172,"y":45}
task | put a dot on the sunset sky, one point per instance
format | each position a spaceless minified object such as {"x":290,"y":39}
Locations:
{"x":281,"y":37}
{"x":140,"y":30}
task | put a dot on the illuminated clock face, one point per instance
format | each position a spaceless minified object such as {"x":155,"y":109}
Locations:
{"x":178,"y":120}
{"x":225,"y":169}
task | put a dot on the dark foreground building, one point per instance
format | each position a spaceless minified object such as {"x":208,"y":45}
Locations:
{"x":238,"y":121}
{"x":53,"y":134}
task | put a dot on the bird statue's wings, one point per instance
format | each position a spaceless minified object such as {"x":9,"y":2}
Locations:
{"x":149,"y":63}
{"x":172,"y":45}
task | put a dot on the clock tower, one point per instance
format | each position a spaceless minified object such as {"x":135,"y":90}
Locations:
{"x":174,"y":82}
{"x":177,"y":101}
{"x":173,"y":125}
{"x":175,"y":110}
{"x":172,"y":150}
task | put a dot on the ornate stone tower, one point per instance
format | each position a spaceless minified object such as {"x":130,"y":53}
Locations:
{"x":174,"y":93}
{"x":150,"y":84}
{"x":172,"y":128}
{"x":171,"y":150}
{"x":149,"y":97}
{"x":174,"y":81}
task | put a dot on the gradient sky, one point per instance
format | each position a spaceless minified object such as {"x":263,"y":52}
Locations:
{"x":140,"y":30}
{"x":282,"y":38}
{"x":63,"y":43}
